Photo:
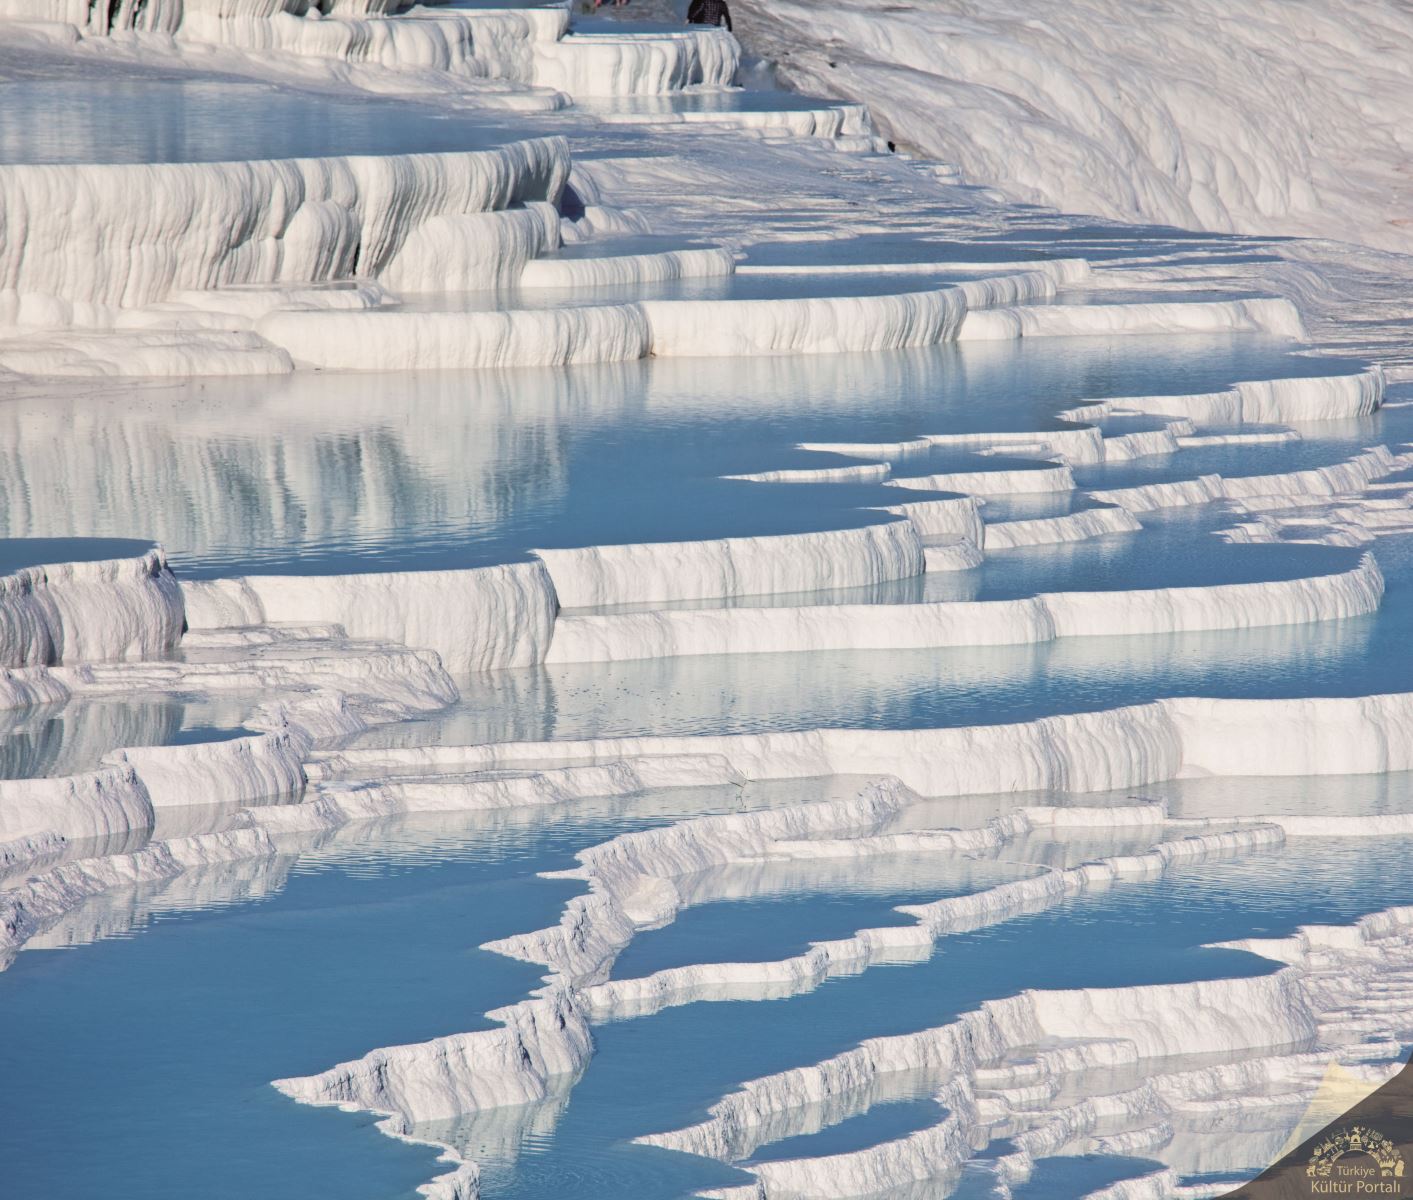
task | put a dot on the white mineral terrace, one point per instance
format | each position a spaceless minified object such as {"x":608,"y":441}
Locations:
{"x":848,"y":639}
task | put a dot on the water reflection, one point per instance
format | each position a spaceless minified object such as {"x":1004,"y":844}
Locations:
{"x":323,"y":472}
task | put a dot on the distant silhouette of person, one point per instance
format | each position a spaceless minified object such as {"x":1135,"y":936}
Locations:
{"x":709,"y":12}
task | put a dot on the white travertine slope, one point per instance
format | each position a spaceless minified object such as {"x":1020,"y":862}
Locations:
{"x":478,"y":619}
{"x":666,"y":633}
{"x":1109,"y":750}
{"x":1257,"y":402}
{"x":1252,"y":116}
{"x":90,"y":611}
{"x":205,"y":225}
{"x":748,"y":566}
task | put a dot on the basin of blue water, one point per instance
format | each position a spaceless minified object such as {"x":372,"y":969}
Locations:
{"x":113,"y":119}
{"x":947,"y":687}
{"x":783,"y":911}
{"x":68,"y":739}
{"x":18,"y":553}
{"x":443,"y":469}
{"x":1149,"y":933}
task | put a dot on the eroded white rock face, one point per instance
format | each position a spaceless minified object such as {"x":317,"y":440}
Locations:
{"x":1070,"y":527}
{"x":1277,"y":317}
{"x":412,"y":341}
{"x":90,"y":611}
{"x":1221,"y":116}
{"x":1257,"y":402}
{"x":604,"y":65}
{"x":468,"y":252}
{"x":1285,"y":489}
{"x":240,"y":770}
{"x":1231,"y":1015}
{"x":92,"y":805}
{"x":619,"y":270}
{"x":205,"y":225}
{"x":1038,"y":1070}
{"x":540,"y":1040}
{"x":476,"y":620}
{"x":1108,"y":750}
{"x":797,"y":562}
{"x":1041,"y":618}
{"x":815,"y":325}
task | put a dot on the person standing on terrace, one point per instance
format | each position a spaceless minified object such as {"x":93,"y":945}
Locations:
{"x":709,"y":12}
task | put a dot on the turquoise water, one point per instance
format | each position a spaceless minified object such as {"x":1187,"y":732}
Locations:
{"x":282,"y":967}
{"x":1140,"y":933}
{"x":773,"y":912}
{"x":66,"y":739}
{"x":965,"y":686}
{"x":144,"y":1028}
{"x":176,"y":119}
{"x":442,"y":469}
{"x":370,"y":940}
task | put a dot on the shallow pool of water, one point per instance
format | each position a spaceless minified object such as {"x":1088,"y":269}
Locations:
{"x":441,"y":469}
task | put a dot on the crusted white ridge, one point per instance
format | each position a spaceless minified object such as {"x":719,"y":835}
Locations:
{"x":797,"y":562}
{"x":28,"y":686}
{"x":627,"y":268}
{"x":94,"y":804}
{"x":1231,"y":1015}
{"x":631,"y":876}
{"x":76,"y":612}
{"x":637,"y":64}
{"x":618,"y":999}
{"x":476,"y":620}
{"x":992,"y":483}
{"x":1257,"y":402}
{"x":1069,"y":527}
{"x":237,"y":770}
{"x":1045,"y":617}
{"x":205,"y":225}
{"x":330,"y":805}
{"x":381,"y":682}
{"x":1083,"y":444}
{"x":1262,"y":315}
{"x":1289,"y":488}
{"x":43,"y":899}
{"x":950,"y":517}
{"x":807,"y":325}
{"x":1063,"y":271}
{"x":1108,"y":750}
{"x":1336,"y":1001}
{"x":863,"y":473}
{"x":955,"y":554}
{"x":468,"y":252}
{"x":537,"y":1041}
{"x":409,"y":341}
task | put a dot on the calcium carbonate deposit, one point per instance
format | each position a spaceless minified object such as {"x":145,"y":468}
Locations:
{"x":597,"y":607}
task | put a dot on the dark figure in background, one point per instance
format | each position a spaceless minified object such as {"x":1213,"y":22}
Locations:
{"x":709,"y":12}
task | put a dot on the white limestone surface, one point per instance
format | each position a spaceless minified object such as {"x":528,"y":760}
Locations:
{"x":725,"y":567}
{"x":637,"y":65}
{"x":1108,"y":750}
{"x":205,"y":225}
{"x":90,"y":611}
{"x":478,"y":619}
{"x":623,"y":269}
{"x":1069,"y":527}
{"x":1155,"y":611}
{"x":1277,"y":317}
{"x":1293,"y":400}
